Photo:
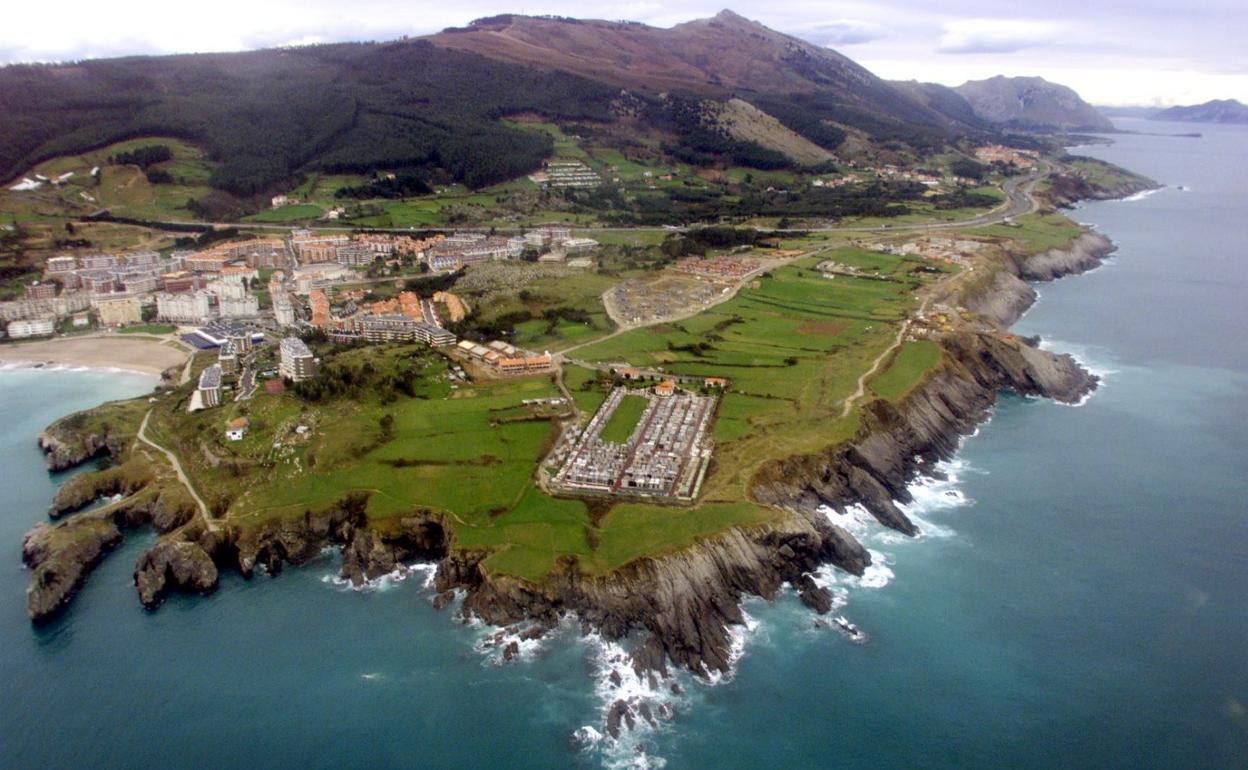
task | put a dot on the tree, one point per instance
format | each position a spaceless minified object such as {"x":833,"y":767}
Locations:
{"x":386,"y":423}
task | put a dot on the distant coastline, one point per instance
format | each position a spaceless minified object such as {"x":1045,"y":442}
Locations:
{"x":140,"y":355}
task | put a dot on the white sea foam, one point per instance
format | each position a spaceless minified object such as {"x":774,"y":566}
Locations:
{"x":9,"y":365}
{"x":877,"y":574}
{"x":1141,"y":195}
{"x":423,"y":570}
{"x":495,"y":644}
{"x":1095,"y":364}
{"x":615,"y":681}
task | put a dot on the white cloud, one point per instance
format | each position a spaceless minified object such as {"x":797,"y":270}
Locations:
{"x":995,"y":35}
{"x":1116,"y":50}
{"x":844,"y":32}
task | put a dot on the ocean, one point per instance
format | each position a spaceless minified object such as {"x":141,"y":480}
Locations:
{"x":1077,"y":597}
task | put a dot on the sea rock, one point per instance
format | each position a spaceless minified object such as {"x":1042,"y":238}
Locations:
{"x":615,"y":717}
{"x":60,"y":557}
{"x":85,"y":488}
{"x":814,"y":596}
{"x":173,"y":564}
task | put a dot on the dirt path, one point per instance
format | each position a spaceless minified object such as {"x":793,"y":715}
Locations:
{"x":861,"y":391}
{"x":210,"y":522}
{"x":733,"y":290}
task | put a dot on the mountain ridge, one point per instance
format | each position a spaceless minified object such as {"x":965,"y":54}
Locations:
{"x":1031,"y":103}
{"x":1212,"y":111}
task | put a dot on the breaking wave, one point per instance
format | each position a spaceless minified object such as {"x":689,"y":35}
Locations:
{"x":1141,"y":195}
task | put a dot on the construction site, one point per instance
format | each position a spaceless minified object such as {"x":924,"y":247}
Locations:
{"x":659,"y":449}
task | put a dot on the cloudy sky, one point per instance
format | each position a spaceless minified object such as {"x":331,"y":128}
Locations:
{"x":1111,"y":51}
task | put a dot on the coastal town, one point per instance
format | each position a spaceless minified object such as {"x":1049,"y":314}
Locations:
{"x":269,"y":283}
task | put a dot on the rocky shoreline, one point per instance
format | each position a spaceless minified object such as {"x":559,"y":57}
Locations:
{"x":1009,"y":295}
{"x":679,"y":609}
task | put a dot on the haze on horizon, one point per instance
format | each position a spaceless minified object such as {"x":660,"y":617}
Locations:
{"x":1113,"y":52}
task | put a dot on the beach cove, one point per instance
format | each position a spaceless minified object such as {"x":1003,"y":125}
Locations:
{"x":134,"y":353}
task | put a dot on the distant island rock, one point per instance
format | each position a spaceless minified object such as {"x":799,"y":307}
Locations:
{"x":1032,"y":103}
{"x":1215,"y":111}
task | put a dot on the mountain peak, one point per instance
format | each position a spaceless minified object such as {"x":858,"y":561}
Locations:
{"x":729,"y":15}
{"x":1031,"y":103}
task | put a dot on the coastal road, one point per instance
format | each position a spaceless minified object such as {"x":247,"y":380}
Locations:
{"x":210,"y":522}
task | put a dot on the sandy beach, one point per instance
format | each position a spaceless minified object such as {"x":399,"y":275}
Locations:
{"x":139,"y":354}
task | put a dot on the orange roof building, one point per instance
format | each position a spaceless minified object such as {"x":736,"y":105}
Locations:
{"x":319,"y":302}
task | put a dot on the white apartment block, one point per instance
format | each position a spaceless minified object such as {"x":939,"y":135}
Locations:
{"x":42,"y":327}
{"x":183,"y":308}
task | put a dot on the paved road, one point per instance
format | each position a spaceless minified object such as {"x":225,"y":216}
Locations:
{"x":210,"y":522}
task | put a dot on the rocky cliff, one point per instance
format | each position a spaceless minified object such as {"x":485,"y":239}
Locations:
{"x":1007,"y":295}
{"x":898,"y":442}
{"x":1066,"y":189}
{"x":63,"y":454}
{"x":60,"y":556}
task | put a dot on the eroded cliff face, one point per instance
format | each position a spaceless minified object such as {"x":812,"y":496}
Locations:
{"x":898,"y":442}
{"x":1066,"y":189}
{"x":1005,"y":298}
{"x":684,"y":603}
{"x":60,"y":556}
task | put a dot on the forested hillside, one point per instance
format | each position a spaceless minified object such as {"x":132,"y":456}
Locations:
{"x":431,"y":108}
{"x":268,"y":115}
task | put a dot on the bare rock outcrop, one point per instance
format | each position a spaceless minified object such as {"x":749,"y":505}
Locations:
{"x":173,"y":564}
{"x":1082,"y":254}
{"x":60,"y":558}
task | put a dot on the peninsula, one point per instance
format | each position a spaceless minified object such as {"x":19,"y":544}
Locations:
{"x":633,"y":369}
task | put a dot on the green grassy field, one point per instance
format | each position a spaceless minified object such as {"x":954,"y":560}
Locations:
{"x":624,"y":419}
{"x":1037,"y":232}
{"x":792,"y":346}
{"x":123,"y":190}
{"x":507,"y":288}
{"x":912,"y":361}
{"x":298,"y":213}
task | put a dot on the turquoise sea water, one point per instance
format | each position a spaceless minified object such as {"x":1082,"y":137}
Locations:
{"x":1078,"y":597}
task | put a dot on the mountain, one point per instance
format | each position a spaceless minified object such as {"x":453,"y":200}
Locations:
{"x":265,"y":117}
{"x":1032,"y":103}
{"x":726,"y":55}
{"x":942,"y":99}
{"x":1216,"y":111}
{"x":717,"y":56}
{"x":716,"y":91}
